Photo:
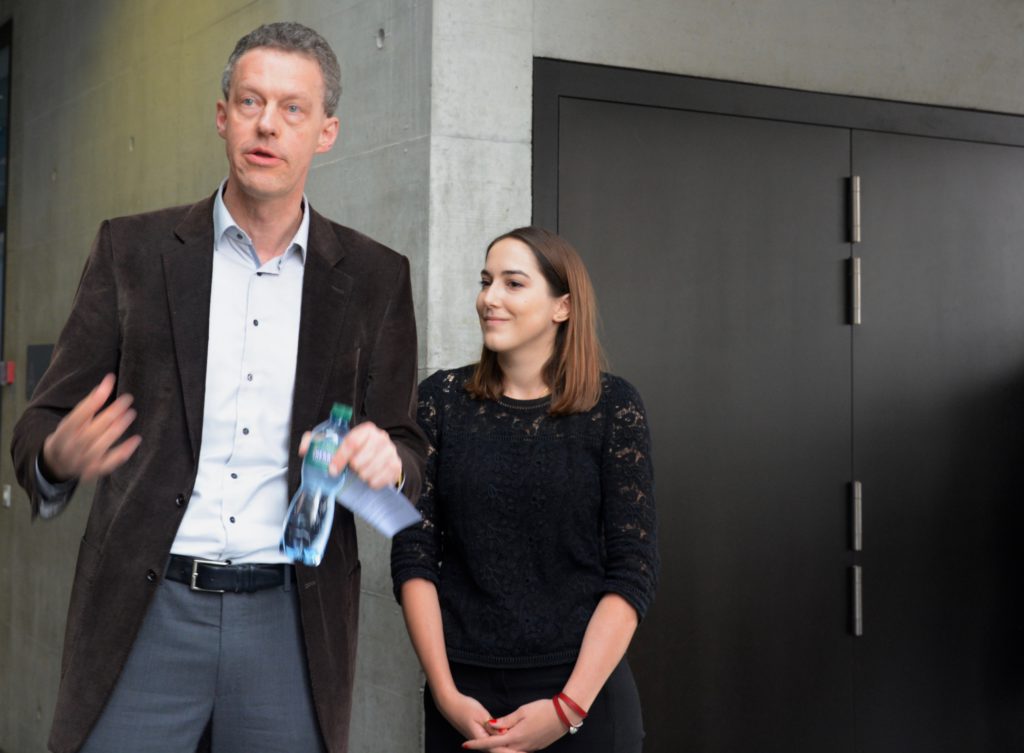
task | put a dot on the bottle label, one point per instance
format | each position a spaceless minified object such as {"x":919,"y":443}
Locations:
{"x":320,"y":454}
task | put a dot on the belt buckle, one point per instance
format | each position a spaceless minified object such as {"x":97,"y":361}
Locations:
{"x":195,"y":574}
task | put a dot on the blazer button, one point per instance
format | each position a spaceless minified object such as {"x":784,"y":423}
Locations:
{"x":151,"y":576}
{"x":179,"y":500}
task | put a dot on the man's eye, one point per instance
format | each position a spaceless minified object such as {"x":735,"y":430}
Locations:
{"x":293,"y":108}
{"x":248,"y":101}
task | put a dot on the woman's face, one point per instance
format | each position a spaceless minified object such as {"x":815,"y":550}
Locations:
{"x":519,"y":316}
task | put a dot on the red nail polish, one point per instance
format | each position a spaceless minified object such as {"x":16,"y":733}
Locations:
{"x":503,"y":730}
{"x":492,"y":721}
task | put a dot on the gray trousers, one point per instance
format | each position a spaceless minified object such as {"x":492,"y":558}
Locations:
{"x":234,"y":660}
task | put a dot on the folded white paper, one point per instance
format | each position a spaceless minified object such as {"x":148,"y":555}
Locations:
{"x":385,"y":509}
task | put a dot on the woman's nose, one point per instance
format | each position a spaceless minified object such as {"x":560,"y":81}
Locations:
{"x":490,"y":294}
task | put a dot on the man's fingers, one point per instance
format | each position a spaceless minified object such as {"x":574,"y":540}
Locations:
{"x":304,"y":443}
{"x":88,"y":437}
{"x":374,"y":457}
{"x":98,"y":446}
{"x":113,"y":459}
{"x":78,"y":446}
{"x":114,"y":431}
{"x":377,"y":471}
{"x":95,"y":438}
{"x":89,"y":405}
{"x":350,"y":446}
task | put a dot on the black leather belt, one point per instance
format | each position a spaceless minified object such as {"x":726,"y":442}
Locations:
{"x":223,"y":577}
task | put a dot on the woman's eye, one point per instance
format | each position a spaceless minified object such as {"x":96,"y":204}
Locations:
{"x":484,"y":283}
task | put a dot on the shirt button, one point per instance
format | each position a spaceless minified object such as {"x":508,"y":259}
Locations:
{"x":232,"y":518}
{"x":234,"y":475}
{"x":245,"y":431}
{"x":151,"y":576}
{"x":179,"y":500}
{"x":255,"y":322}
{"x":239,"y":236}
{"x":248,"y":377}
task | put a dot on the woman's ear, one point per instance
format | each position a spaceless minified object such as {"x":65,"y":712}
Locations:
{"x":562,"y":310}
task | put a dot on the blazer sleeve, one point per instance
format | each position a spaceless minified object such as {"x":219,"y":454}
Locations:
{"x":391,"y":388}
{"x":86,"y":350}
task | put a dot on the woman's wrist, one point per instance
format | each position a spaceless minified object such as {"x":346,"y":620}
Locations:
{"x":444,"y":692}
{"x":583,"y":700}
{"x":569,"y":713}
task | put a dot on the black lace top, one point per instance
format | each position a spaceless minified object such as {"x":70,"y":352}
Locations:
{"x":528,"y":519}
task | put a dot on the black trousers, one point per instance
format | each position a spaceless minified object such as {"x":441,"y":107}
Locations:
{"x":614,"y":723}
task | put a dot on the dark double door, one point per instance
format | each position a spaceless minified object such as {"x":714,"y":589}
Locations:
{"x":719,"y":239}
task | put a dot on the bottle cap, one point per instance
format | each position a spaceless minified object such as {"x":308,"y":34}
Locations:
{"x":341,"y":412}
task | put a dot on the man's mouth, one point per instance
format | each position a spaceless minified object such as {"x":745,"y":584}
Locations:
{"x":261,"y":156}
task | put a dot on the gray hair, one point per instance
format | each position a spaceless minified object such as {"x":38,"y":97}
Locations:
{"x":291,"y":37}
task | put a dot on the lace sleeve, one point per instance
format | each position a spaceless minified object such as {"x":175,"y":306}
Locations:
{"x":627,"y":487}
{"x":416,"y":551}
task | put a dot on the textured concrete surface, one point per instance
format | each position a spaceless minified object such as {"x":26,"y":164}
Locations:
{"x":113,"y":114}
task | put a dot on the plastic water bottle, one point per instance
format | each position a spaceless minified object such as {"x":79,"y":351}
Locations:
{"x":311,"y":512}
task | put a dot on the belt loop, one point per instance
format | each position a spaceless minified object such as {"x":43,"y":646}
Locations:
{"x":289,"y":577}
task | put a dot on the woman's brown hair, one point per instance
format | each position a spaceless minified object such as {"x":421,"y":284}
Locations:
{"x":573,"y":372}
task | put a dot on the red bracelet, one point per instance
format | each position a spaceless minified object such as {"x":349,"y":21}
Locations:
{"x":561,"y":715}
{"x":573,"y":705}
{"x":573,"y":728}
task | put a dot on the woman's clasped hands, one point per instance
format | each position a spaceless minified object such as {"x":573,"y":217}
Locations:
{"x":533,"y":726}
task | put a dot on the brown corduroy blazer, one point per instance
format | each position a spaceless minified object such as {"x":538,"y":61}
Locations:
{"x":141,"y":312}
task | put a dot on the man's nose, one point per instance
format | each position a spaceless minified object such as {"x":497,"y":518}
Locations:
{"x":268,"y":122}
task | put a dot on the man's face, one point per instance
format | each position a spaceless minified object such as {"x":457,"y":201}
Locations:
{"x":274,"y":122}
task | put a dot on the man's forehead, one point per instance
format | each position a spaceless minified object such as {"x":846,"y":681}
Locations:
{"x":254,"y":62}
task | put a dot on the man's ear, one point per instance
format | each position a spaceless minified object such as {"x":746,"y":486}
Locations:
{"x":562,"y":310}
{"x":222,"y":117}
{"x":328,"y":134}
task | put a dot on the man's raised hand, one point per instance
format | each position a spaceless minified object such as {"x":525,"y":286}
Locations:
{"x":83,"y":444}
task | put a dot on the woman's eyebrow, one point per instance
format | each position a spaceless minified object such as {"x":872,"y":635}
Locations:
{"x":506,"y":272}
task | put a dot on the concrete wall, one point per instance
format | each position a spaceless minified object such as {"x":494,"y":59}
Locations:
{"x":113,"y":113}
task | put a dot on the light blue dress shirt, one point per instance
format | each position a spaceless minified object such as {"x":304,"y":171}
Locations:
{"x":240,"y":497}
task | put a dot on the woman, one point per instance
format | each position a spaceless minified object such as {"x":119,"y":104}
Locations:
{"x":536,"y":557}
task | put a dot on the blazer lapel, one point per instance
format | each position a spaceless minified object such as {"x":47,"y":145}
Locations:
{"x":188,"y":275}
{"x":326,"y":292}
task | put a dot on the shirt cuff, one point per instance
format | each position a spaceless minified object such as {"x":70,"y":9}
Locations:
{"x":53,"y":498}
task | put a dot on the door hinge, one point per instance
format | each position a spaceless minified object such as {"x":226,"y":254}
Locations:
{"x":855,"y":291}
{"x":855,"y":209}
{"x":857,"y":591}
{"x":857,"y":505}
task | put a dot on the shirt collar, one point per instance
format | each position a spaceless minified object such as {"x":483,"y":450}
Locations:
{"x":223,"y":223}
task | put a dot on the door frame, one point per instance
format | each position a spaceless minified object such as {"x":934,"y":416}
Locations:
{"x":554,"y":80}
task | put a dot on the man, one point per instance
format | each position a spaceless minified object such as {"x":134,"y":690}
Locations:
{"x":219,"y":332}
